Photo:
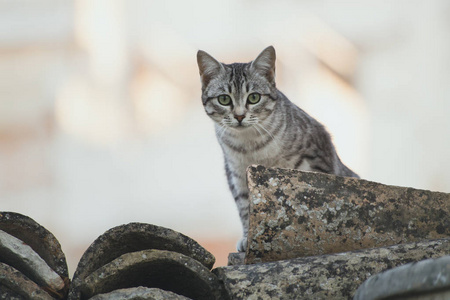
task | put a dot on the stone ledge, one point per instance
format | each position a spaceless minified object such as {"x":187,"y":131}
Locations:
{"x":333,"y":276}
{"x":296,"y":214}
{"x":428,"y":278}
{"x":167,"y":270}
{"x":139,"y":254}
{"x":33,"y":265}
{"x":236,"y":258}
{"x":139,"y":293}
{"x":15,"y":285}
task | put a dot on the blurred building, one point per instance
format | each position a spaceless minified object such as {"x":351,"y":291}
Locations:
{"x":101,"y":121}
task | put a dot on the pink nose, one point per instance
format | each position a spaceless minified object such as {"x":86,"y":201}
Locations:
{"x":239,"y":117}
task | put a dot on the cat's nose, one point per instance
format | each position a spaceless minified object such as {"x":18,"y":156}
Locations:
{"x":239,"y":117}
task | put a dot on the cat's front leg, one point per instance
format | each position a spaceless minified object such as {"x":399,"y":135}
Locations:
{"x":238,"y":186}
{"x":241,"y":245}
{"x":243,"y":207}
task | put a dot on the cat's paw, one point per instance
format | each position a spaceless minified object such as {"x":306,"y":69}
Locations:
{"x":242,"y":244}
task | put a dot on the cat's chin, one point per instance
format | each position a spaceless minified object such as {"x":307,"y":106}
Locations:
{"x":242,"y":127}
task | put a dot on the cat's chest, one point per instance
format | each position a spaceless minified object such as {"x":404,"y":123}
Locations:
{"x":249,"y":153}
{"x":257,"y":157}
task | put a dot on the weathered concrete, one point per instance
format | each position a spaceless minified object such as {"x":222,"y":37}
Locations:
{"x":167,"y":270}
{"x":38,"y":238}
{"x":16,"y":253}
{"x":134,"y":237}
{"x":427,"y":279}
{"x":31,"y":249}
{"x":236,"y":258}
{"x":15,"y":285}
{"x":139,"y":236}
{"x":295,"y":214}
{"x":333,"y":276}
{"x":139,"y":293}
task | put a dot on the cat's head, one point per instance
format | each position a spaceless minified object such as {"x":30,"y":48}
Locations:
{"x":238,"y":95}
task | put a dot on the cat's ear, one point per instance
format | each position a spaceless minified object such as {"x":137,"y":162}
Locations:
{"x":265,"y":63}
{"x":208,"y":66}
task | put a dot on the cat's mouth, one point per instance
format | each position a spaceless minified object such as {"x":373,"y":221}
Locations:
{"x":241,"y":126}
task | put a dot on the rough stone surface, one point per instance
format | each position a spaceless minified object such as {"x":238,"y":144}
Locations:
{"x":236,"y":258}
{"x":18,"y":254}
{"x":38,"y":238}
{"x":167,"y":270}
{"x":295,"y":214}
{"x":8,"y":294}
{"x":139,"y":293}
{"x":39,"y":243}
{"x":134,"y":237}
{"x":15,"y":285}
{"x":139,"y":236}
{"x":427,"y":278}
{"x":333,"y":276}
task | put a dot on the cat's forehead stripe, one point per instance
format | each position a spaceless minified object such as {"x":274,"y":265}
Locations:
{"x":238,"y":78}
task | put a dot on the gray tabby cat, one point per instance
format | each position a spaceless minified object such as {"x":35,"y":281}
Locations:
{"x":256,"y":124}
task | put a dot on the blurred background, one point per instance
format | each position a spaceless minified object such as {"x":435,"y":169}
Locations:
{"x":101,"y":121}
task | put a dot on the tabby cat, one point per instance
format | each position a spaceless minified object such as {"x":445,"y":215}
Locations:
{"x":256,"y":124}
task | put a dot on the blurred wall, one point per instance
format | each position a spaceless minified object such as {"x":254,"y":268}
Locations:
{"x":101,"y":121}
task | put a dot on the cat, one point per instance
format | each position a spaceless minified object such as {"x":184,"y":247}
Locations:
{"x":257,"y":124}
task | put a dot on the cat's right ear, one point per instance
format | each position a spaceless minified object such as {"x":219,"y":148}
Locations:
{"x":208,"y":66}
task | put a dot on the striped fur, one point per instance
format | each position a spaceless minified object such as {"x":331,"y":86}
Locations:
{"x":274,"y":132}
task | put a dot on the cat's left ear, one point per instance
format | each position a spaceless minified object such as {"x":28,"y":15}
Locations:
{"x":265,"y":63}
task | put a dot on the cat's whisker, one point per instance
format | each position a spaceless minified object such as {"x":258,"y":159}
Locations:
{"x":256,"y":128}
{"x":223,"y":132}
{"x":268,"y":132}
{"x":223,"y":129}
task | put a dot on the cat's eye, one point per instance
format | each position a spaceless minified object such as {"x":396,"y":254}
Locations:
{"x":253,"y":98}
{"x":224,"y":99}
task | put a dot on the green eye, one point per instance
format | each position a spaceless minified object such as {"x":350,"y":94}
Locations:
{"x":253,"y":98}
{"x":224,"y":99}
